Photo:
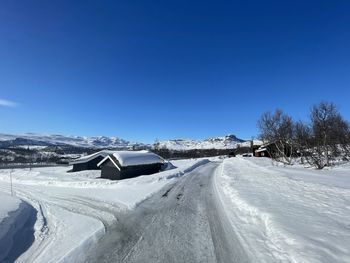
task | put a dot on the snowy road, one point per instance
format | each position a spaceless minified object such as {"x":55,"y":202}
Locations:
{"x":183,"y":223}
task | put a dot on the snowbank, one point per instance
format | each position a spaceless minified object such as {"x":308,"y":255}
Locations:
{"x":65,"y":237}
{"x":288,"y":214}
{"x":14,"y":217}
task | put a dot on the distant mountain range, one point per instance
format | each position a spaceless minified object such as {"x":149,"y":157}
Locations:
{"x":225,"y":142}
{"x":33,"y":139}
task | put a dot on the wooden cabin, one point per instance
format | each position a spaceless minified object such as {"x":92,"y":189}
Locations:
{"x":262,"y":152}
{"x":271,"y":150}
{"x":128,"y":164}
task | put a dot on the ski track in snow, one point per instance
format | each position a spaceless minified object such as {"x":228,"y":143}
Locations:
{"x":58,"y":220}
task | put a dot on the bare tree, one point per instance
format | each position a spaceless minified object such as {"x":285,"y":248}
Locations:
{"x":325,"y":139}
{"x":277,"y":128}
{"x":345,"y":141}
{"x":340,"y":135}
{"x":329,"y":131}
{"x":302,"y":139}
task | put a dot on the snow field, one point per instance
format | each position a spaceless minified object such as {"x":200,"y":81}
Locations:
{"x":287,"y":214}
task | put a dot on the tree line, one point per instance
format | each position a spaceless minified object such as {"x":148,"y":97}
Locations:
{"x":193,"y":153}
{"x":320,"y":141}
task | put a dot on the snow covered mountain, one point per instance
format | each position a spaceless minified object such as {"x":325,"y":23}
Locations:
{"x":33,"y":139}
{"x":226,"y":142}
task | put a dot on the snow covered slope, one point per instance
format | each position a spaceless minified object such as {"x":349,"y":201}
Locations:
{"x":287,"y":214}
{"x":225,"y":142}
{"x":78,"y":141}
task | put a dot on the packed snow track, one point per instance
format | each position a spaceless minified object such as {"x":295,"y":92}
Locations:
{"x":184,"y":222}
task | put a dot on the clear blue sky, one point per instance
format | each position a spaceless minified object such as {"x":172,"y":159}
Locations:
{"x":142,"y":70}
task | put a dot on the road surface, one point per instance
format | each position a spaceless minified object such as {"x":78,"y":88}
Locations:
{"x":184,"y":222}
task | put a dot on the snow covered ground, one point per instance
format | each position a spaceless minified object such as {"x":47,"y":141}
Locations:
{"x":15,"y":217}
{"x":287,"y":214}
{"x":279,"y":214}
{"x":73,"y":209}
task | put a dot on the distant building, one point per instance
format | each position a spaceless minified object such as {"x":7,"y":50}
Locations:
{"x":89,"y":162}
{"x":232,"y":154}
{"x":127,"y":164}
{"x":262,"y":152}
{"x":271,"y":149}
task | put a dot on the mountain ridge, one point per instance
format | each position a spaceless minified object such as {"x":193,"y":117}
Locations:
{"x":34,"y":139}
{"x":65,"y":140}
{"x":229,"y":141}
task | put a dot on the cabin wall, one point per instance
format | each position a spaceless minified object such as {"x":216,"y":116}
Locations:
{"x":109,"y":171}
{"x":90,"y":165}
{"x":133,"y":171}
{"x":262,"y":154}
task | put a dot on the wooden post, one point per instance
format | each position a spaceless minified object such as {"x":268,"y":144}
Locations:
{"x":11,"y":182}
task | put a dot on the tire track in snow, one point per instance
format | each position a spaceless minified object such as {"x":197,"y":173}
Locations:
{"x":179,"y":224}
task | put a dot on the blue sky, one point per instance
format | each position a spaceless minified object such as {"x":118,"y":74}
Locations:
{"x":143,"y":70}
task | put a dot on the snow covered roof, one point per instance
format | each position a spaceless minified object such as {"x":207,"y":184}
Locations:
{"x":131,"y":158}
{"x":261,"y":149}
{"x":90,"y":157}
